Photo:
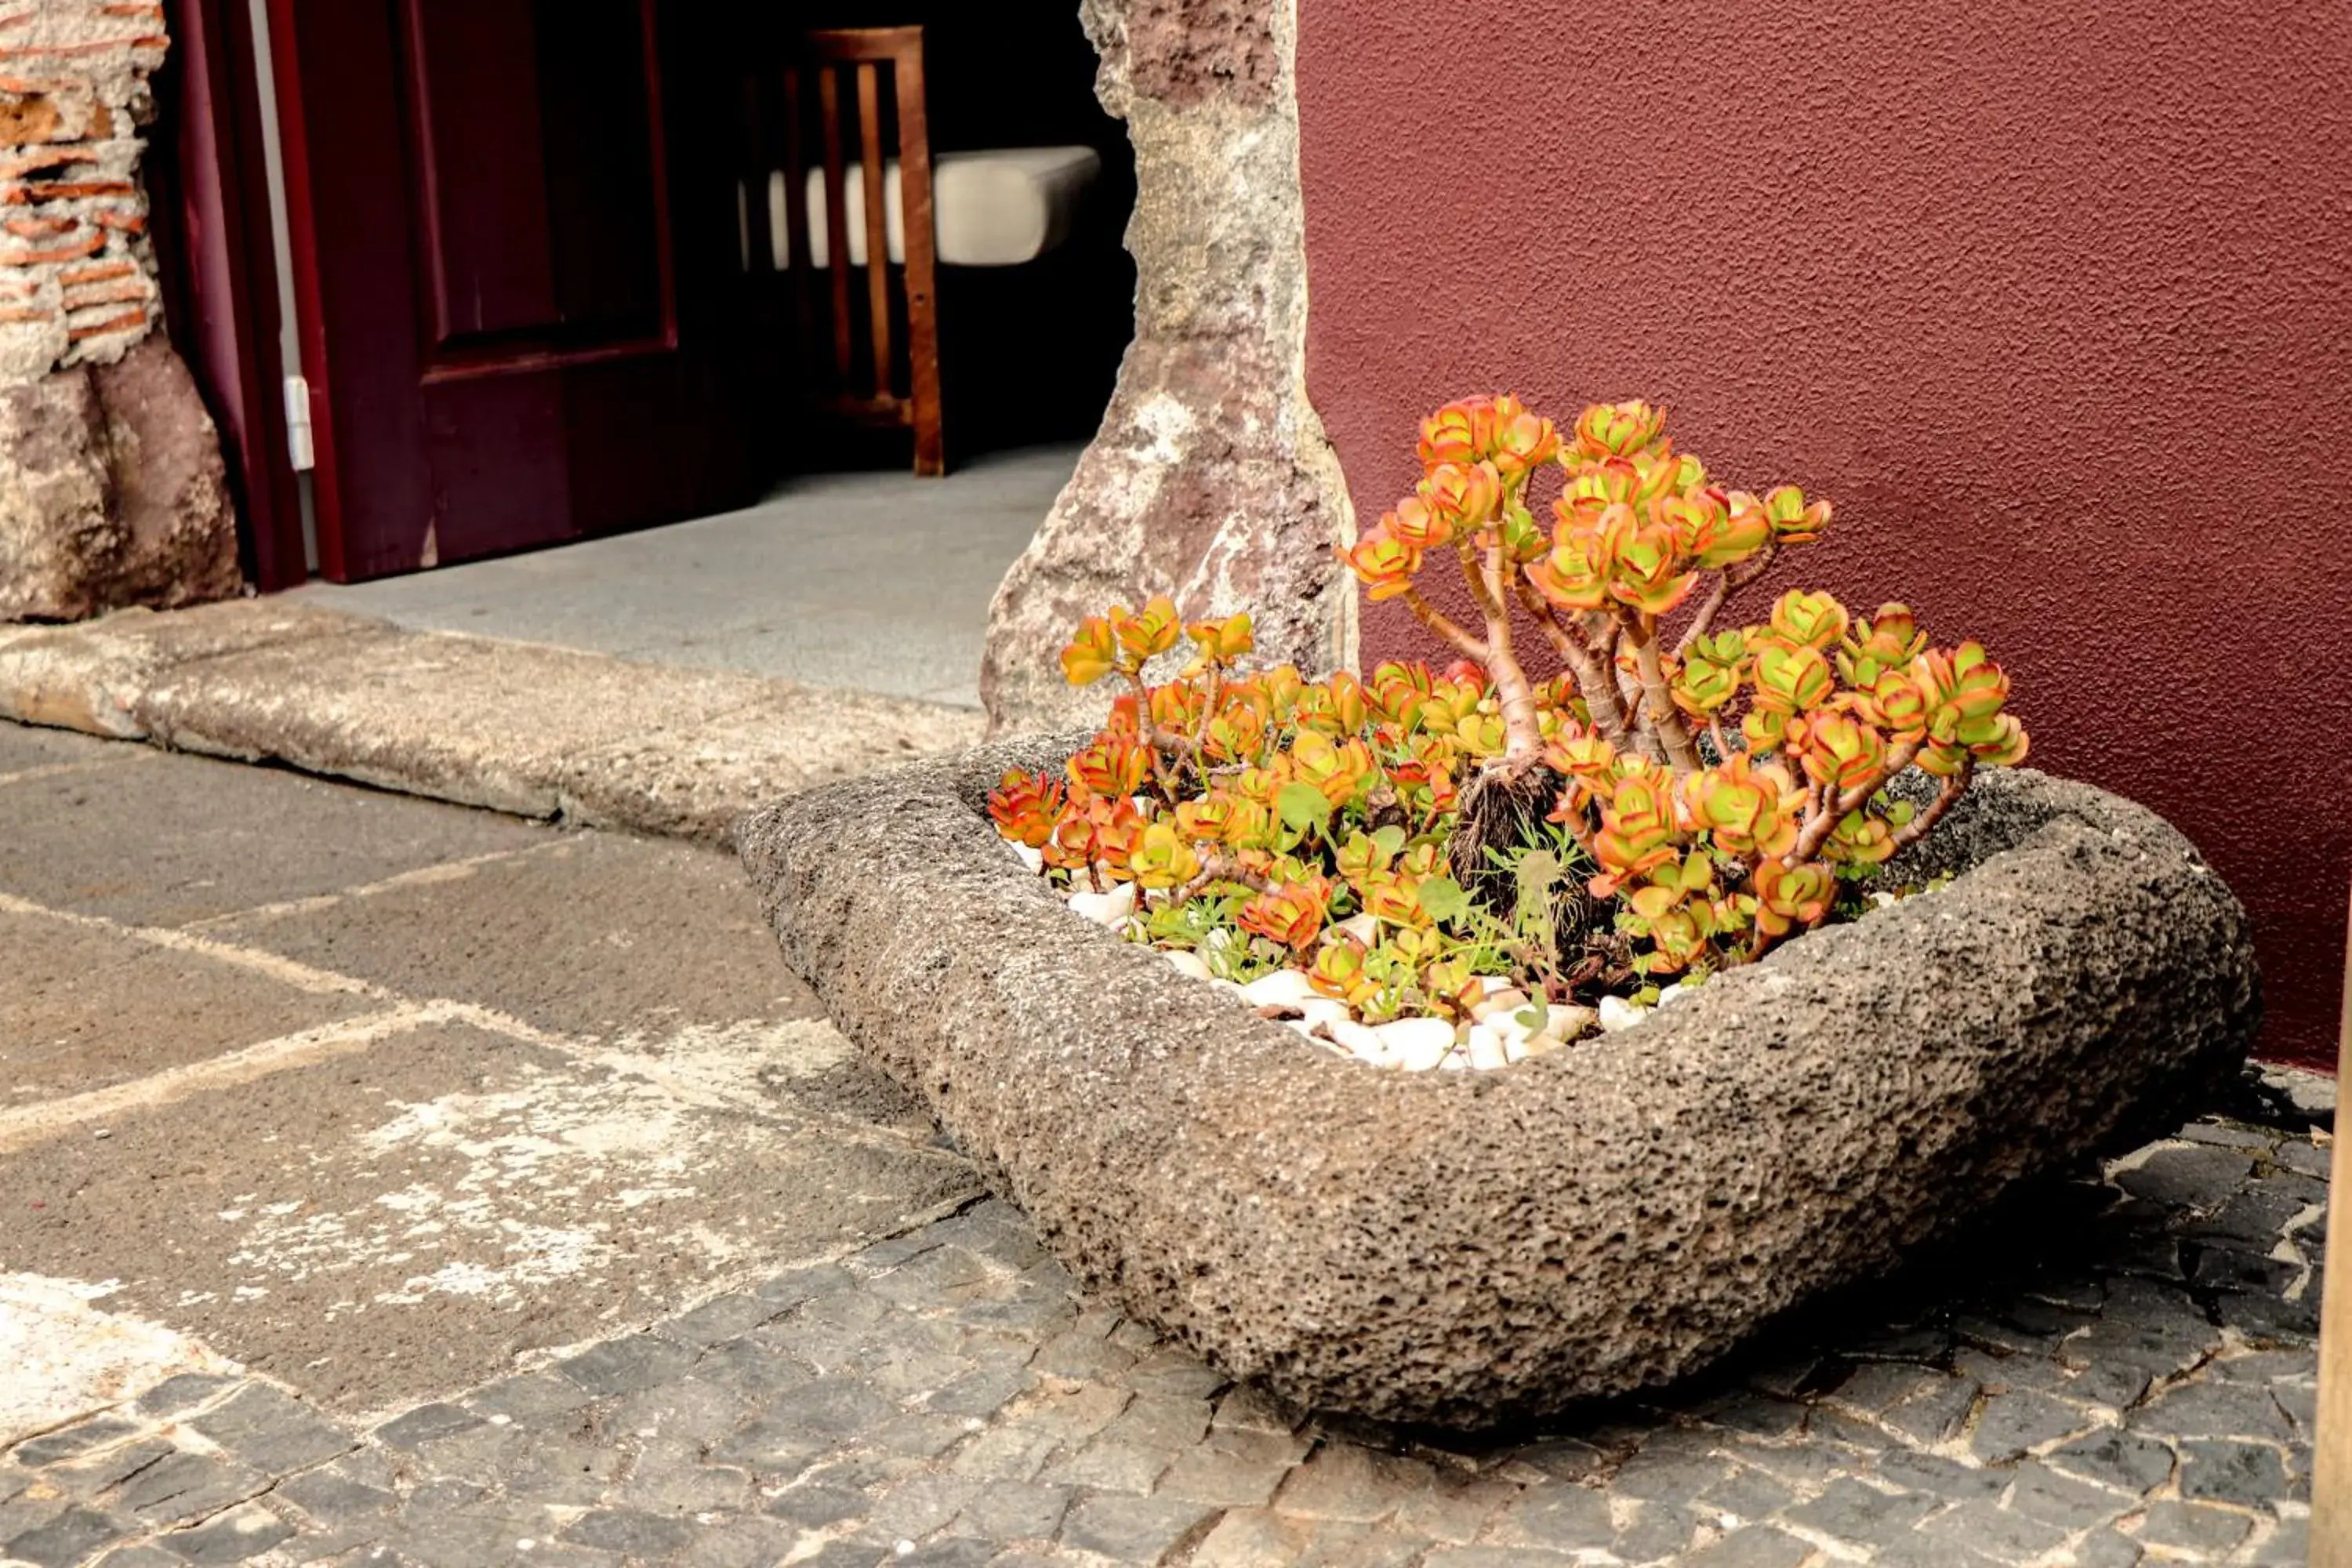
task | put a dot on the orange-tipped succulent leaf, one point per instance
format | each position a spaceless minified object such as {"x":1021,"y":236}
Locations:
{"x":1092,"y":654}
{"x":1466,"y":496}
{"x":1223,"y":641}
{"x":1794,"y":521}
{"x":1523,"y":441}
{"x":1618,"y":429}
{"x":1027,"y":806}
{"x":1385,"y":566}
{"x":1814,"y":620}
{"x":1461,"y":432}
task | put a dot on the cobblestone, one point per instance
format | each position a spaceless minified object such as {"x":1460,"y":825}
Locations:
{"x":2045,"y":1408}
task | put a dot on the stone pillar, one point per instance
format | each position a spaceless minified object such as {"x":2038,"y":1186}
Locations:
{"x":1210,"y":479}
{"x":111,"y":486}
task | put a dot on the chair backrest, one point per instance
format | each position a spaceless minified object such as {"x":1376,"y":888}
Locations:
{"x":850,"y":94}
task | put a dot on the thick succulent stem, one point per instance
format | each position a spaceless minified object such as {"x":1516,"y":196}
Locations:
{"x":1437,"y":621}
{"x":1476,"y":578}
{"x":1726,"y":584}
{"x":1833,"y":807}
{"x":1600,"y":693}
{"x":1522,"y":729}
{"x":1219,"y":869}
{"x":1666,"y":720}
{"x":1945,"y":798}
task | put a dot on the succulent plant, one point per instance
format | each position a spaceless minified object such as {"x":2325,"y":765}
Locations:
{"x":1712,"y":786}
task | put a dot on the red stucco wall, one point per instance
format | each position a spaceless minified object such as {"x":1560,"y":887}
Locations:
{"x":2055,"y":303}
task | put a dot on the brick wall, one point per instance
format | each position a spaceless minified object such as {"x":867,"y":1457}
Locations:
{"x":77,"y":275}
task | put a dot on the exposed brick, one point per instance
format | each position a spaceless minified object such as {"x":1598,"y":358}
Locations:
{"x":72,"y":84}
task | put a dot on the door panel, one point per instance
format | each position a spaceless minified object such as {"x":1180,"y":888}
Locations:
{"x":514,"y":264}
{"x":560,"y":239}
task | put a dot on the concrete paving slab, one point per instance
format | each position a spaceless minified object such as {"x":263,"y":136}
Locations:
{"x":591,"y":934}
{"x":26,"y":749}
{"x":389,"y":1226}
{"x":84,"y":1008}
{"x":878,"y":580}
{"x":167,"y":846}
{"x":91,"y":676}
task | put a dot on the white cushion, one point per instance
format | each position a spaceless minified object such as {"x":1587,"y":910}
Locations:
{"x":995,"y":208}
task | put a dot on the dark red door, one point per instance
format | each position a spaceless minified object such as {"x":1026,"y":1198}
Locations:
{"x":516,"y":253}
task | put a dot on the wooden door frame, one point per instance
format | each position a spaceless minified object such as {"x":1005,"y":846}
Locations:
{"x":219,"y":270}
{"x":2331,"y":1486}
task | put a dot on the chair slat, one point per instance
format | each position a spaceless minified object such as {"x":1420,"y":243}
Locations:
{"x":836,"y":226}
{"x":922,"y":274}
{"x":798,"y":260}
{"x":877,"y":218}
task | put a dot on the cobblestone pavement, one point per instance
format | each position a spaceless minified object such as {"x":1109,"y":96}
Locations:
{"x":2117,"y":1369}
{"x":2120,"y":1370}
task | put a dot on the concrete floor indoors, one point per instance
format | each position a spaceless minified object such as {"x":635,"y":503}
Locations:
{"x":877,"y":581}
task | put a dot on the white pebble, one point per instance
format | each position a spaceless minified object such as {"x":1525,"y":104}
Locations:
{"x":1363,"y":927}
{"x":1280,"y":988}
{"x":1675,"y":993}
{"x":1322,"y":1012}
{"x":1033,"y":858}
{"x":1562,"y":1024}
{"x":1883,"y":899}
{"x":1616,"y":1012}
{"x":1361,"y":1041}
{"x":1190,"y":963}
{"x":1418,"y":1044}
{"x":1486,"y":1052}
{"x":1105,"y":908}
{"x":1498,"y":1004}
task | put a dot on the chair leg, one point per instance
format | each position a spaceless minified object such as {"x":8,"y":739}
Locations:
{"x":930,"y":447}
{"x":923,"y":375}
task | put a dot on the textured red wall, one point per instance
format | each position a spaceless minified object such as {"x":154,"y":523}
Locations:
{"x":2055,"y":303}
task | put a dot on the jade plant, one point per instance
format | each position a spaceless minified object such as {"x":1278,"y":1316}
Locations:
{"x":1673,"y":797}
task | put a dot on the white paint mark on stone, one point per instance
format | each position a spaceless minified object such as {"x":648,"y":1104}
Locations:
{"x":494,"y":1195}
{"x":66,"y":1358}
{"x":434,"y":875}
{"x":301,"y":976}
{"x":38,"y":1122}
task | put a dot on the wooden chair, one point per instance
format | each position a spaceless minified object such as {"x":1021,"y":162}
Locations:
{"x":871,"y":356}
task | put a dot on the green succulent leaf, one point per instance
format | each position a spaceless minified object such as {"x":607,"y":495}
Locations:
{"x":1442,"y":897}
{"x":1302,"y":807}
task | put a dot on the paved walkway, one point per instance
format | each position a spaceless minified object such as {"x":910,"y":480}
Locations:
{"x":386,"y":1182}
{"x":879,"y":582}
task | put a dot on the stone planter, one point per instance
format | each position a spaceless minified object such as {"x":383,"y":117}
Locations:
{"x":1465,"y":1247}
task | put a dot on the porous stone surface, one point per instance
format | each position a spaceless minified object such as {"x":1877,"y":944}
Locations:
{"x":1210,"y":479}
{"x":1457,"y":1249}
{"x":111,"y":491}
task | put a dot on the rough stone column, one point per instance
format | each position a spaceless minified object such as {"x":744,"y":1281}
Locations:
{"x":1210,"y":479}
{"x":111,"y":486}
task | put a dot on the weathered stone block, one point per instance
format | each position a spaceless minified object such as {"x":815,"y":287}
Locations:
{"x":1463,"y":1248}
{"x":1210,"y":479}
{"x":112,"y":492}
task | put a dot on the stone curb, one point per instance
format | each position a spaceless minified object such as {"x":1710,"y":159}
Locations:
{"x":522,"y":728}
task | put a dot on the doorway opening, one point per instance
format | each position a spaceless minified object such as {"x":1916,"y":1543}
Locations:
{"x":531,"y":312}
